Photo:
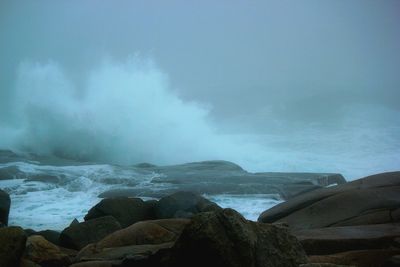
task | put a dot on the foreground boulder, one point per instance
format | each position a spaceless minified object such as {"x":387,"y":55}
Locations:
{"x":125,"y":210}
{"x":141,"y":233}
{"x":183,"y":205}
{"x":12,"y":245}
{"x":359,"y":258}
{"x":225,"y":239}
{"x":5,"y":203}
{"x":50,"y":235}
{"x":44,"y":253}
{"x":79,"y":235}
{"x":339,"y":239}
{"x":372,"y":200}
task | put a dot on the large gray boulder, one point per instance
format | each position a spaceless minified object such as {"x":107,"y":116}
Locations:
{"x":225,"y":239}
{"x":371,"y":200}
{"x":125,"y":210}
{"x":183,"y":205}
{"x":5,"y":203}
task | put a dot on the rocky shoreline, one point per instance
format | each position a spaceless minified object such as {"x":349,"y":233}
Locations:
{"x":350,"y":224}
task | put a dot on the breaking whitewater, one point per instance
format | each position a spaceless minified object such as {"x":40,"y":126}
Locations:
{"x":68,"y":143}
{"x":49,"y":192}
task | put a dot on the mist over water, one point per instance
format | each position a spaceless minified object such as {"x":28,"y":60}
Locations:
{"x":269,"y":85}
{"x":126,"y":113}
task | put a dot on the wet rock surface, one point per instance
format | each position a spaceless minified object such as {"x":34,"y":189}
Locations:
{"x":370,"y":200}
{"x":224,"y":238}
{"x":357,"y":223}
{"x":125,"y":210}
{"x":5,"y":203}
{"x":79,"y":235}
{"x":224,"y":177}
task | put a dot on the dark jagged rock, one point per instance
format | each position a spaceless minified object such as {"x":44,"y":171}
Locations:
{"x":183,"y":205}
{"x":12,"y":245}
{"x":79,"y":235}
{"x":126,"y":211}
{"x":370,"y":200}
{"x":5,"y":203}
{"x":225,"y":239}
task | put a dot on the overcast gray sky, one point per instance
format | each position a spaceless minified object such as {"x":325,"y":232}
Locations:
{"x":250,"y":61}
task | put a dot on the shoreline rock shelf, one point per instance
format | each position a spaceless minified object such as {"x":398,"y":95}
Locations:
{"x":357,"y":223}
{"x":351,"y":224}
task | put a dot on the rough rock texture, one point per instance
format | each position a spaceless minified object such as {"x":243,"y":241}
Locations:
{"x":96,"y":264}
{"x":5,"y":203}
{"x":394,"y":261}
{"x":183,"y":205}
{"x":79,"y":235}
{"x":28,"y":263}
{"x":44,"y":253}
{"x":223,"y":177}
{"x":338,"y":239}
{"x":359,"y":258}
{"x":134,"y":252}
{"x":225,"y":239}
{"x":323,"y":265}
{"x":50,"y":235}
{"x":127,"y":211}
{"x":12,"y":245}
{"x":141,"y":233}
{"x":370,"y":200}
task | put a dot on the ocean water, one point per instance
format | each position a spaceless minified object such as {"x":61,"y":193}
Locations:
{"x":123,"y":113}
{"x":46,"y":205}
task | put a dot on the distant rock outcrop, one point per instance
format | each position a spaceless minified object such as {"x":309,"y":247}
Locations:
{"x":224,"y":177}
{"x":183,"y":205}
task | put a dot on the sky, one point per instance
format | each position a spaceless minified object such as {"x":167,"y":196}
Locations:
{"x":236,"y":56}
{"x":256,"y":66}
